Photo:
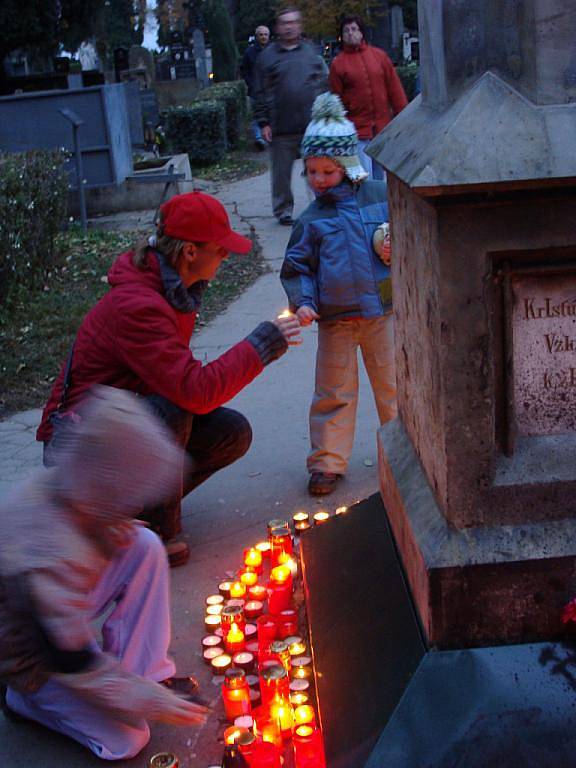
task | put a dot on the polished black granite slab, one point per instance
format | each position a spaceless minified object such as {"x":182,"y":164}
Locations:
{"x":364,"y":633}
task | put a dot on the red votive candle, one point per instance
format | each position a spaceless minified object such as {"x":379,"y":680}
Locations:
{"x":264,"y":548}
{"x":234,"y":640}
{"x":266,"y":631}
{"x":274,"y":683}
{"x":248,"y":578}
{"x":265,"y":755}
{"x":236,"y":694}
{"x":280,"y":544}
{"x":233,"y":733}
{"x":257,"y":592}
{"x":279,"y":651}
{"x":237,"y":589}
{"x":232,"y":614}
{"x":279,"y":590}
{"x":287,"y":621}
{"x":265,"y":727}
{"x":253,"y":609}
{"x":308,"y":748}
{"x":253,"y":559}
{"x":247,"y":744}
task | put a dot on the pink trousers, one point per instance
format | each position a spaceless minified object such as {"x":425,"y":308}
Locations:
{"x":135,"y":586}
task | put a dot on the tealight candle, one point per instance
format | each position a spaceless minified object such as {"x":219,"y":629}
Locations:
{"x":264,"y":548}
{"x":253,"y":559}
{"x":299,"y":686}
{"x":221,"y":663}
{"x":214,"y":610}
{"x":321,"y":517}
{"x":301,"y":667}
{"x":211,"y":623}
{"x":257,"y":592}
{"x":301,"y":521}
{"x":214,"y":599}
{"x":237,"y":589}
{"x":341,"y":510}
{"x":252,"y":646}
{"x":234,"y":641}
{"x":211,"y":641}
{"x":235,"y":601}
{"x":250,"y":630}
{"x":224,"y":588}
{"x":244,"y":721}
{"x":249,"y":578}
{"x":253,"y":609}
{"x":304,"y":715}
{"x":298,"y":698}
{"x":244,"y":660}
{"x":297,"y":648}
{"x":212,"y":653}
{"x":233,"y":733}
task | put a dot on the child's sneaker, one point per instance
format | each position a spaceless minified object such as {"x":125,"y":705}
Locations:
{"x":322,"y":483}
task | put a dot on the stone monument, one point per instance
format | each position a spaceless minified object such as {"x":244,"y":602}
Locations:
{"x":478,"y":473}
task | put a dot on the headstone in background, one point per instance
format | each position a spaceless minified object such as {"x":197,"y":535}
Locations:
{"x":200,"y":57}
{"x":141,"y":59}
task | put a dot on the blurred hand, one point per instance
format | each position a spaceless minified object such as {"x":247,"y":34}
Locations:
{"x":306,"y":315}
{"x":267,"y":133}
{"x":289,"y":327}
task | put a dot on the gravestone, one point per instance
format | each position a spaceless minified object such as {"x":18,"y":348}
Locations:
{"x":478,"y":473}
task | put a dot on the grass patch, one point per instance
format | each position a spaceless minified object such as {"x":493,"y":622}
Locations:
{"x":36,"y":331}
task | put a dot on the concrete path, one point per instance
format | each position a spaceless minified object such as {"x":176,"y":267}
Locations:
{"x":229,"y":512}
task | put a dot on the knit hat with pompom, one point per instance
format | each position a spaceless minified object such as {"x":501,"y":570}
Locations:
{"x":331,"y":134}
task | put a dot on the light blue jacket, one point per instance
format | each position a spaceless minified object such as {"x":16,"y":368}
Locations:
{"x":330,"y":264}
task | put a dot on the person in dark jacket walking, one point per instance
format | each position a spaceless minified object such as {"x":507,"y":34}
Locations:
{"x":366,"y":81}
{"x":289,"y":76}
{"x":247,"y":70}
{"x":137,"y":338}
{"x":334,"y":273}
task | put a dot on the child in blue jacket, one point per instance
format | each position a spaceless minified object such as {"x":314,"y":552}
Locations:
{"x":333,"y":275}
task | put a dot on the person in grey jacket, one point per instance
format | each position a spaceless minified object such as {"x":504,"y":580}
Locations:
{"x":289,"y":76}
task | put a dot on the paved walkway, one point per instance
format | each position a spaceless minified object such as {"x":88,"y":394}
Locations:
{"x":229,"y":512}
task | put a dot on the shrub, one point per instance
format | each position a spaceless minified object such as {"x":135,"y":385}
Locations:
{"x":224,"y":51}
{"x":33,"y":199}
{"x":408,"y":74}
{"x":198,"y":129}
{"x":233,"y":96}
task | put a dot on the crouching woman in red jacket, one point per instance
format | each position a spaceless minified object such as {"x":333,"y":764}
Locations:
{"x":137,"y":338}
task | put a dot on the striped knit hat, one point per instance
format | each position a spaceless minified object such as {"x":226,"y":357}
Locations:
{"x":330,"y":134}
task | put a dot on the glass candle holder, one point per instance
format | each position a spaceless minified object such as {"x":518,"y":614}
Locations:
{"x":274,"y":683}
{"x":265,"y":727}
{"x":253,"y":559}
{"x":287,"y":622}
{"x":308,"y":748}
{"x":304,"y":715}
{"x":266,"y":755}
{"x":253,"y":609}
{"x":237,"y":589}
{"x":276,"y":523}
{"x":236,"y":694}
{"x":281,"y":711}
{"x":266,"y":627}
{"x":280,"y":543}
{"x":257,"y":592}
{"x":233,"y":733}
{"x":279,"y":650}
{"x":234,"y":640}
{"x":232,"y":614}
{"x":247,"y":745}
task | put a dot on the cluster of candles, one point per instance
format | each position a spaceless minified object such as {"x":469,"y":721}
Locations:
{"x":267,"y":674}
{"x":302,"y":520}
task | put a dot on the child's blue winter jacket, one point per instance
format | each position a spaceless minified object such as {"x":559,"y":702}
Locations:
{"x":330,"y":264}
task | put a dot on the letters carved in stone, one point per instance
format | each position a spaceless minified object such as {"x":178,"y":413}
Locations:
{"x":544,"y":354}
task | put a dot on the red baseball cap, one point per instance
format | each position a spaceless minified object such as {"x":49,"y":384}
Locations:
{"x":197,"y":217}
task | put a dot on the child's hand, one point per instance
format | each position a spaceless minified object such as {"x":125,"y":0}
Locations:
{"x":289,"y":327}
{"x":306,"y":315}
{"x":381,"y":243}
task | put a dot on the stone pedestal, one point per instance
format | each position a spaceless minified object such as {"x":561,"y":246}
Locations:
{"x":479,"y":474}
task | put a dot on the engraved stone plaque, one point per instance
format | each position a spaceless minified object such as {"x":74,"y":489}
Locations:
{"x":544,"y":353}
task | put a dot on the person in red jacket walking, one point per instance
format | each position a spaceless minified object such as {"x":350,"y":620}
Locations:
{"x":137,"y":338}
{"x":366,"y":81}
